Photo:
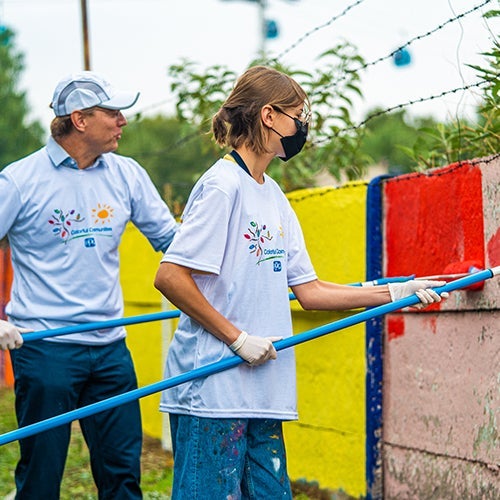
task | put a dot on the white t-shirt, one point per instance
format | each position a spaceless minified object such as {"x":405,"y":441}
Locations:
{"x":248,"y":237}
{"x":64,"y":227}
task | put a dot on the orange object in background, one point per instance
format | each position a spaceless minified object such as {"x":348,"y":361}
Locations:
{"x":6,"y":275}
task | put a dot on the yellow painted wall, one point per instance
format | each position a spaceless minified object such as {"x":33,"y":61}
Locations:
{"x":139,"y":263}
{"x":327,"y":443}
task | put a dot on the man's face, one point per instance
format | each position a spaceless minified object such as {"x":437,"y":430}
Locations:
{"x":104,"y":129}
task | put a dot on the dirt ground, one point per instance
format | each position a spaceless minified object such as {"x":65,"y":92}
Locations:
{"x":153,"y":455}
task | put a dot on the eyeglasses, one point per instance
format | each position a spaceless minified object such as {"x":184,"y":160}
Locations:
{"x":301,"y":123}
{"x":112,"y":113}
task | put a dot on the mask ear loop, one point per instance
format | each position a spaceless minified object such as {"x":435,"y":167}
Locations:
{"x":276,"y":132}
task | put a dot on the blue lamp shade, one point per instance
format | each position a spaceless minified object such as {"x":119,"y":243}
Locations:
{"x":271,"y":29}
{"x":401,"y":57}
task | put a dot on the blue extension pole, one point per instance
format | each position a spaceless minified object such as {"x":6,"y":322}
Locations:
{"x":100,"y":325}
{"x":144,"y":318}
{"x":235,"y":360}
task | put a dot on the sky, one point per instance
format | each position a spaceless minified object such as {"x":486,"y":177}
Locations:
{"x":133,"y":42}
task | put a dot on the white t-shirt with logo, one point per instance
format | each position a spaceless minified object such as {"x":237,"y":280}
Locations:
{"x":64,"y":227}
{"x":247,"y":237}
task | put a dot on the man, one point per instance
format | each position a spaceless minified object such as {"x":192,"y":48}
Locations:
{"x":64,"y":209}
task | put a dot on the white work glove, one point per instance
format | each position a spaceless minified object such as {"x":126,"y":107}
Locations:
{"x":10,"y":336}
{"x":421,"y":288}
{"x":254,"y":350}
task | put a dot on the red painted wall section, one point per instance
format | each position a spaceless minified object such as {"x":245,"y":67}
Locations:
{"x":441,"y":365}
{"x":493,"y":249}
{"x":434,"y":220}
{"x":395,"y":326}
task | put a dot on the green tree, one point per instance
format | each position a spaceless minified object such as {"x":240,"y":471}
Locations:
{"x":173,"y":152}
{"x":388,"y":136}
{"x":18,"y":137}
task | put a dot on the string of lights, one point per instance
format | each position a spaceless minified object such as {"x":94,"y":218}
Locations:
{"x":376,"y":61}
{"x":344,"y":130}
{"x":315,"y":30}
{"x":401,"y":106}
{"x":425,"y":35}
{"x":408,"y":43}
{"x":347,"y":71}
{"x":379,"y":60}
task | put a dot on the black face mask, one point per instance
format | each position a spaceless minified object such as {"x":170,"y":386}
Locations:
{"x":293,"y":144}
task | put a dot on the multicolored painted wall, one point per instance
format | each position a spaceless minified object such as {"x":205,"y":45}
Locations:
{"x":441,"y":410}
{"x":419,"y":418}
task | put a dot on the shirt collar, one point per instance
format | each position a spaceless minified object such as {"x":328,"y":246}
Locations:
{"x":60,"y":158}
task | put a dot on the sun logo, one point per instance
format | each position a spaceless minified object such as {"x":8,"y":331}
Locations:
{"x":103,"y":213}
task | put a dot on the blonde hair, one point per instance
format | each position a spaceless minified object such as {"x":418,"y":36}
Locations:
{"x":238,"y":120}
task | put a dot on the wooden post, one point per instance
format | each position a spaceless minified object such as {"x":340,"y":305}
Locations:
{"x":85,"y":32}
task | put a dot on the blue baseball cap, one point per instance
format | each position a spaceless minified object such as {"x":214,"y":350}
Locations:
{"x":88,"y":89}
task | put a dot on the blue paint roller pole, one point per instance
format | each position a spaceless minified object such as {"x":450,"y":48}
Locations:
{"x":100,"y":325}
{"x":231,"y":362}
{"x":144,"y":318}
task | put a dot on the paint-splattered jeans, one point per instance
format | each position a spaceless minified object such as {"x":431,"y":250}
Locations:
{"x":228,"y":459}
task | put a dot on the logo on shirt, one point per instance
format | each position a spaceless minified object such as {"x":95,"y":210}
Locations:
{"x":67,"y":225}
{"x":63,"y":222}
{"x":259,"y":238}
{"x":102,"y":214}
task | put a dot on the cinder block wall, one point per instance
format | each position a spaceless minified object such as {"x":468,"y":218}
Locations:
{"x":442,"y":366}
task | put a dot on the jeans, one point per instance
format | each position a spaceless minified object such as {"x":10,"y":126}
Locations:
{"x":228,"y":459}
{"x":53,"y":378}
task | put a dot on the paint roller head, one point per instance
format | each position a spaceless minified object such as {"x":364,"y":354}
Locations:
{"x":466,"y":267}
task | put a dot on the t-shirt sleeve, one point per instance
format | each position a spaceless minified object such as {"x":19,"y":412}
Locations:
{"x":150,"y":214}
{"x":201,"y":239}
{"x":300,"y":268}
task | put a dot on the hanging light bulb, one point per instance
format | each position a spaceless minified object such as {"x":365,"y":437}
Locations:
{"x":401,"y":57}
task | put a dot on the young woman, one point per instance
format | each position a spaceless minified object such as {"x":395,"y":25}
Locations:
{"x":238,"y":250}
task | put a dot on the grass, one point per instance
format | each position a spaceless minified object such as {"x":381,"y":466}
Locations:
{"x":77,"y":481}
{"x":156,"y":465}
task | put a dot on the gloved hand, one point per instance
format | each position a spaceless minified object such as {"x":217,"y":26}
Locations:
{"x":254,"y":350}
{"x":421,"y":288}
{"x":10,"y":336}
